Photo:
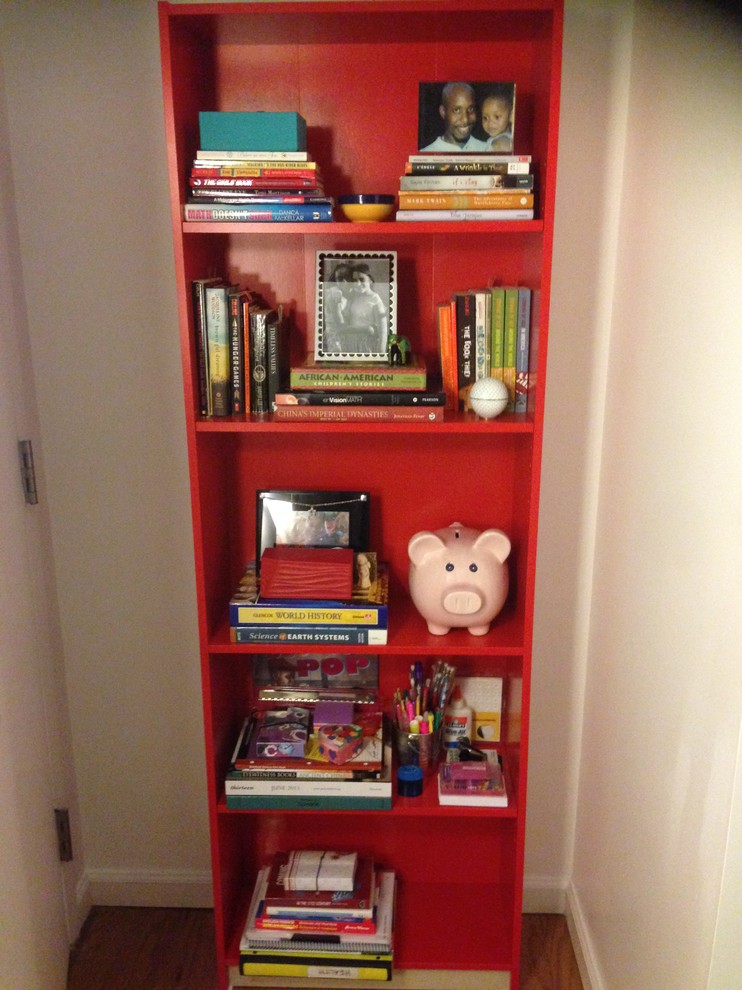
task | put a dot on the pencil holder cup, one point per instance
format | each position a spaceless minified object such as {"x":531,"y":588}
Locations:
{"x":418,"y":749}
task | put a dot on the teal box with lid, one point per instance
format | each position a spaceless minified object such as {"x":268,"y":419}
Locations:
{"x":236,"y":130}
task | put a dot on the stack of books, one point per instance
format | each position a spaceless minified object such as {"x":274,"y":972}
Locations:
{"x":363,"y":619}
{"x":316,"y":738}
{"x":490,"y":333}
{"x":466,"y":186}
{"x":326,"y":934}
{"x":347,"y":391}
{"x":254,"y":167}
{"x":242,"y":349}
{"x":276,"y":780}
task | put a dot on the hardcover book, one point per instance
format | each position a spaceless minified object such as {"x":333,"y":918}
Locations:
{"x":309,"y":635}
{"x":314,"y":375}
{"x":356,"y":413}
{"x":217,"y":328}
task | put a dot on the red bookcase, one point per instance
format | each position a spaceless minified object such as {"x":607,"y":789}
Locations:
{"x":352,"y":70}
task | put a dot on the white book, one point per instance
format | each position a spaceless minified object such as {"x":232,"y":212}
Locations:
{"x":465,"y":215}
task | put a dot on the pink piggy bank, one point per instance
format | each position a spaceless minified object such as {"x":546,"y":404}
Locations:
{"x":459,"y":577}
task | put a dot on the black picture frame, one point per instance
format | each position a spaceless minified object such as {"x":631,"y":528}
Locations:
{"x":356,"y":305}
{"x":431,"y":124}
{"x":311,"y":519}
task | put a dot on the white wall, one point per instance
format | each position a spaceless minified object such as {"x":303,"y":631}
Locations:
{"x":87,"y":142}
{"x":663,"y":696}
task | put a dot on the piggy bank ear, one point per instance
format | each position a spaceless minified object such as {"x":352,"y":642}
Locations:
{"x":421,"y":544}
{"x":493,"y":541}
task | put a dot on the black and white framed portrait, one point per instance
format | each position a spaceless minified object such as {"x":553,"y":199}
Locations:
{"x":356,"y":308}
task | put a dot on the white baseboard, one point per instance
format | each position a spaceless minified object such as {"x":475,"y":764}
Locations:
{"x":579,"y":931}
{"x":544,"y":895}
{"x":149,"y":888}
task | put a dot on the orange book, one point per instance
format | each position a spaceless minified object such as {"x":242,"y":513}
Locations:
{"x":447,"y":345}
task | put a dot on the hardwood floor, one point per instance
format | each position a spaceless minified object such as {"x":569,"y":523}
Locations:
{"x":172,"y":949}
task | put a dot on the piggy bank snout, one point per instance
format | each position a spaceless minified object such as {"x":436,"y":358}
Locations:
{"x":462,"y":601}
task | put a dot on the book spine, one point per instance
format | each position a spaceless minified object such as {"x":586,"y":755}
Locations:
{"x":481,"y":182}
{"x":202,"y":343}
{"x":497,"y":355}
{"x":533,"y":348}
{"x":317,"y":926}
{"x":217,"y":326}
{"x":253,"y":197}
{"x":467,"y":168}
{"x":330,"y":635}
{"x":521,"y":353}
{"x":277,"y":358}
{"x":448,"y":357}
{"x":306,"y":802}
{"x":202,"y":155}
{"x":465,"y":337}
{"x":323,"y":971}
{"x":247,"y":305}
{"x":308,"y":788}
{"x":369,"y":617}
{"x":486,"y":158}
{"x":248,"y":183}
{"x":389,"y":398}
{"x":266,"y":213}
{"x":482,"y":333}
{"x":236,"y":343}
{"x":240,"y":177}
{"x":303,"y":380}
{"x":493,"y":200}
{"x":495,"y":216}
{"x":356,"y":413}
{"x":510,"y":344}
{"x":258,"y":362}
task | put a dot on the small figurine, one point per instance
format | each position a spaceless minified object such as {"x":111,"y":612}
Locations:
{"x":398,"y":349}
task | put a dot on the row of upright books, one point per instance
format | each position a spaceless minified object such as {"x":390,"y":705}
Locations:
{"x":489,"y":333}
{"x":466,"y":187}
{"x":340,"y":925}
{"x":241,"y":347}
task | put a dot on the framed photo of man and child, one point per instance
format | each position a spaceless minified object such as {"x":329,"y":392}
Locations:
{"x":469,"y":117}
{"x":356,"y":305}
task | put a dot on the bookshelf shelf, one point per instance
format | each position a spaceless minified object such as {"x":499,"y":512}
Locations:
{"x":459,"y":870}
{"x":364,"y":231}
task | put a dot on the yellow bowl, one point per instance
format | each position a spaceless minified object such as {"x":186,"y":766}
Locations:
{"x":366,"y":207}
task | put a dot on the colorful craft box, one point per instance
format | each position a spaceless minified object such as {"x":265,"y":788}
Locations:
{"x":340,"y":743}
{"x":236,"y":130}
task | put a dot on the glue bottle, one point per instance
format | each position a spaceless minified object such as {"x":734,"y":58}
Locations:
{"x":457,"y":720}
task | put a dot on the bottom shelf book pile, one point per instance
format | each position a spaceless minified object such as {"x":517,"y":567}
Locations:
{"x":320,"y":934}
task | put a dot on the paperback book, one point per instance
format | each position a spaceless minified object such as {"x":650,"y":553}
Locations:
{"x":265,"y":213}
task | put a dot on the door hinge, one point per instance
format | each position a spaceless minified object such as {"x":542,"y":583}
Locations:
{"x":64,"y":834}
{"x":28,"y":472}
